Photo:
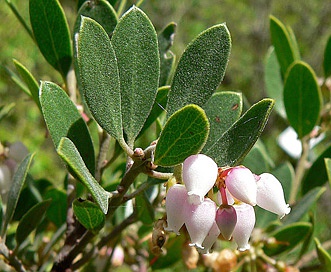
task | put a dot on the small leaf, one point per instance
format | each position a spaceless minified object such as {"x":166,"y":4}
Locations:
{"x":327,"y":59}
{"x":63,"y":120}
{"x":26,"y":225}
{"x":100,"y":11}
{"x":17,"y":80}
{"x":302,"y":98}
{"x":51,"y":33}
{"x":89,"y":215}
{"x":99,"y":77}
{"x":323,"y":256}
{"x":184,"y":134}
{"x":235,"y":143}
{"x":312,"y":179}
{"x":282,"y":41}
{"x":200,"y":69}
{"x":57,"y":211}
{"x":274,"y":82}
{"x":15,"y":190}
{"x":5,"y":110}
{"x":288,"y":237}
{"x":222,"y":109}
{"x":167,"y":58}
{"x":71,"y":156}
{"x":135,"y":44}
{"x":328,"y":168}
{"x":303,"y":205}
{"x":29,"y":80}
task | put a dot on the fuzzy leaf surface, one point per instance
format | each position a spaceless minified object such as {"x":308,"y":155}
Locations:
{"x":201,"y":68}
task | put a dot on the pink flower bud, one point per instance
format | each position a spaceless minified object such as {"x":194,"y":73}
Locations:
{"x":242,"y":185}
{"x":199,"y":220}
{"x":176,"y":197}
{"x":210,"y":239}
{"x":199,"y":175}
{"x":270,"y":195}
{"x":226,"y":219}
{"x":245,"y":225}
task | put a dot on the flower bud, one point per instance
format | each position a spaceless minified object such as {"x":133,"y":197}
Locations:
{"x":241,"y":183}
{"x":226,"y":219}
{"x":199,"y":220}
{"x":270,"y":195}
{"x":210,"y":239}
{"x":199,"y":175}
{"x":175,"y":199}
{"x":245,"y":225}
{"x":5,"y":181}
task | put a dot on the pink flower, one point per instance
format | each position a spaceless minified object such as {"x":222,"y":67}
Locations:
{"x":270,"y":195}
{"x":199,"y":176}
{"x":245,"y":225}
{"x":210,"y":239}
{"x":226,"y":219}
{"x":241,"y":183}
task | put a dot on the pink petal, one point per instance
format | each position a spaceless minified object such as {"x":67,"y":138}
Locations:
{"x":210,"y":239}
{"x":199,"y":175}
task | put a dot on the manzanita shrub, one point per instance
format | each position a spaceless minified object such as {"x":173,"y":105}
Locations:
{"x":164,"y":170}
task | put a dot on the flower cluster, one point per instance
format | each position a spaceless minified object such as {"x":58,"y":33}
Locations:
{"x":232,"y":214}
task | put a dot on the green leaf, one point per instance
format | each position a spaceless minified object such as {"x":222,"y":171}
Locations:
{"x":63,"y":120}
{"x":303,"y":205}
{"x":71,"y":156}
{"x":100,"y":11}
{"x":222,"y":109}
{"x":312,"y":180}
{"x":26,"y":225}
{"x":302,"y":98}
{"x":323,"y":256}
{"x":57,"y":211}
{"x":29,"y":80}
{"x":235,"y":143}
{"x":167,"y":58}
{"x":184,"y":134}
{"x":282,"y":40}
{"x":327,"y":162}
{"x":100,"y":79}
{"x":136,"y":49}
{"x":145,"y":209}
{"x":17,"y":80}
{"x":288,"y":237}
{"x":274,"y":82}
{"x":51,"y":33}
{"x":15,"y":190}
{"x":89,"y":215}
{"x":200,"y":69}
{"x":327,"y":59}
{"x":5,"y":110}
{"x":158,"y":107}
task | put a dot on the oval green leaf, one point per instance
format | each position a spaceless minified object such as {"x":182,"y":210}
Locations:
{"x":274,"y":82}
{"x":303,"y":205}
{"x":31,"y":220}
{"x":288,"y":237}
{"x":311,"y":179}
{"x":136,"y":48}
{"x":99,"y":77}
{"x":323,"y":256}
{"x":15,"y":191}
{"x":302,"y":98}
{"x":223,"y":109}
{"x":167,"y":58}
{"x":29,"y":80}
{"x":327,"y":59}
{"x":200,"y":69}
{"x":51,"y":33}
{"x":231,"y":147}
{"x":69,"y":153}
{"x":184,"y":134}
{"x":89,"y":214}
{"x":64,"y":120}
{"x":282,"y":40}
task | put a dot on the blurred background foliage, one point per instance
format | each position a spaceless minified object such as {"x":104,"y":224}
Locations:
{"x":248,"y":22}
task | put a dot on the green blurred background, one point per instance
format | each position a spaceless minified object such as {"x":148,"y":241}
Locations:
{"x":248,"y":22}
